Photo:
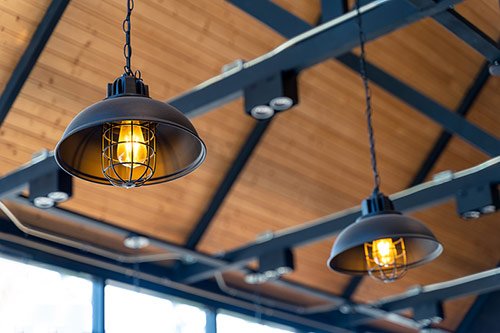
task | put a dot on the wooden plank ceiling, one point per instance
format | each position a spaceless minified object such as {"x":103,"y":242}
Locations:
{"x":314,"y":159}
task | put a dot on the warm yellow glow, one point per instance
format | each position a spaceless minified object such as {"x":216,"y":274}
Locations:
{"x":386,"y":259}
{"x":384,"y":252}
{"x":132,"y":146}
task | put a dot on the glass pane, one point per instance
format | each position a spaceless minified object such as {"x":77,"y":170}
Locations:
{"x":34,"y":299}
{"x":230,"y":324}
{"x":130,"y":311}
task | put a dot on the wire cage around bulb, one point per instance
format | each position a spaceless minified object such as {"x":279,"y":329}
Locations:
{"x":389,"y":263}
{"x":128,"y":155}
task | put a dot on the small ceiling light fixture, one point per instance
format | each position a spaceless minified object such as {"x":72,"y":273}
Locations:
{"x":136,"y":242}
{"x":129,"y":139}
{"x":272,"y":266}
{"x":382,"y":242}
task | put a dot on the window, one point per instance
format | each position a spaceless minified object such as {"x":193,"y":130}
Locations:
{"x":35,"y":299}
{"x":131,"y":311}
{"x":230,"y":324}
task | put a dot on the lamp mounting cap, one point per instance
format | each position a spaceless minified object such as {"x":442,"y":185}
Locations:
{"x":127,"y":85}
{"x":377,"y":204}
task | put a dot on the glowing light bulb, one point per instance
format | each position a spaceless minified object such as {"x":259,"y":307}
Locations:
{"x":132,"y":149}
{"x":386,"y":259}
{"x":384,"y":252}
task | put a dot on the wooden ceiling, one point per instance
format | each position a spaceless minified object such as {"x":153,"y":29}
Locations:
{"x":312,"y":161}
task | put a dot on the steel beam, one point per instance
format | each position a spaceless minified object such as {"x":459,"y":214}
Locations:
{"x":469,"y":33}
{"x":330,"y":39}
{"x":418,"y":197}
{"x":272,"y":15}
{"x":413,"y":198}
{"x":225,"y":186}
{"x":482,"y":315}
{"x":331,"y":9}
{"x":453,"y":123}
{"x":475,"y":284}
{"x":201,"y":259}
{"x":31,"y":55}
{"x":15,"y":181}
{"x":352,"y":286}
{"x":450,"y":121}
{"x":153,"y":277}
{"x":150,"y":277}
{"x":445,"y":137}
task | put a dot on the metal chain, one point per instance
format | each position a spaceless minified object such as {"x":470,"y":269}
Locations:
{"x":368,"y":100}
{"x":127,"y":48}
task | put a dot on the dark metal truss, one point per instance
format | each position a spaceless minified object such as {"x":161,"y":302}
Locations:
{"x":308,"y":49}
{"x":225,"y":186}
{"x":418,"y":197}
{"x":444,"y":138}
{"x":288,"y":25}
{"x":30,"y":56}
{"x":204,"y":265}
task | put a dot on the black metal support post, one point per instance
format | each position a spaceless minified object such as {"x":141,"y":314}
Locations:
{"x":225,"y":186}
{"x":31,"y":55}
{"x":211,"y":325}
{"x":98,"y":305}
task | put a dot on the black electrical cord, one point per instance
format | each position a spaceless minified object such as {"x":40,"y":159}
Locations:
{"x":127,"y":48}
{"x":368,"y":100}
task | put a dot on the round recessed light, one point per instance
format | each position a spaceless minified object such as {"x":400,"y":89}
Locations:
{"x":58,"y":196}
{"x":262,"y":112}
{"x":136,"y":242}
{"x":471,"y":215}
{"x":281,"y":103}
{"x":489,"y":209}
{"x":43,"y":202}
{"x":256,"y":278}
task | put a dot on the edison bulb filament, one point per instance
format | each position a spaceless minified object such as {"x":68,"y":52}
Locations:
{"x":386,"y":259}
{"x":128,"y":152}
{"x":132,"y":149}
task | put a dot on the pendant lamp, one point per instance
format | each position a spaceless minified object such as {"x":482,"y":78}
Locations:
{"x":129,"y":139}
{"x":382,"y":243}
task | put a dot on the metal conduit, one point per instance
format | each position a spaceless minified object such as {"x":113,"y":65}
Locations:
{"x":63,"y":240}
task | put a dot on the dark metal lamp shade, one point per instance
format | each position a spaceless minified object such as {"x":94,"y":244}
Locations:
{"x":178,"y":149}
{"x":348,"y":252}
